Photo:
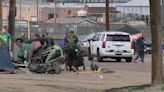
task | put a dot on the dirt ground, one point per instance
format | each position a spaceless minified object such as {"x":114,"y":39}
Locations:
{"x":83,"y":81}
{"x":118,"y":77}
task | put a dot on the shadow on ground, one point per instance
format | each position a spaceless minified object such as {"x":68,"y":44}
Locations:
{"x":129,"y":88}
{"x":111,"y":61}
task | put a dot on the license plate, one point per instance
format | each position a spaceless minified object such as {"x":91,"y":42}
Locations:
{"x":118,"y":54}
{"x":76,"y":50}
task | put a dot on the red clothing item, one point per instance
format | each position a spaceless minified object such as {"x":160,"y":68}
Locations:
{"x":37,"y":45}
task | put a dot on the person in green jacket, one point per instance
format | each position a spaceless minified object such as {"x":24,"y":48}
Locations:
{"x":6,"y":37}
{"x":71,"y":44}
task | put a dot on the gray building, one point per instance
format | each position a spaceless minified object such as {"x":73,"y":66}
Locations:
{"x":140,"y":7}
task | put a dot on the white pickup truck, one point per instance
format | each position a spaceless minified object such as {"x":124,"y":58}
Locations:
{"x":112,"y":44}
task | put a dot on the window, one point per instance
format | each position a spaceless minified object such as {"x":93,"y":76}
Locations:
{"x":51,"y":15}
{"x":124,"y":38}
{"x":69,"y":12}
{"x":103,"y":36}
{"x":98,"y":36}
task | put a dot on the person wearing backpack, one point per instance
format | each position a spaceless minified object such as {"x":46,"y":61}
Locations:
{"x":71,"y":45}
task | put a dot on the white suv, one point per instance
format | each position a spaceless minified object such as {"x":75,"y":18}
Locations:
{"x":112,"y":44}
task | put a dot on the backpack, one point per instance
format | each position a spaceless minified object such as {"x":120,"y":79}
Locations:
{"x":71,"y":40}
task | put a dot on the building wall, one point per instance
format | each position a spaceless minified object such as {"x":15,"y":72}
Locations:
{"x":25,"y":11}
{"x":140,"y":10}
{"x":61,"y":12}
{"x":44,"y":12}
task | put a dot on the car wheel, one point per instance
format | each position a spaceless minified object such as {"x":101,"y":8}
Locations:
{"x":129,"y":59}
{"x":83,"y":67}
{"x":89,"y":54}
{"x":118,"y":59}
{"x":99,"y":58}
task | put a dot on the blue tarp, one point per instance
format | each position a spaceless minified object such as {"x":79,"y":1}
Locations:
{"x":60,"y":43}
{"x":5,"y":60}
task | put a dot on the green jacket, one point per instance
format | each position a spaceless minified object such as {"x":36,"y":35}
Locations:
{"x":6,"y":37}
{"x":71,"y":41}
{"x":2,"y":41}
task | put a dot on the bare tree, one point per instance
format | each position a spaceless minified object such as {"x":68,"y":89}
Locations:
{"x":11,"y":20}
{"x":157,"y":66}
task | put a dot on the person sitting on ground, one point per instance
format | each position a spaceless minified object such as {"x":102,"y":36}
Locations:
{"x":21,"y":52}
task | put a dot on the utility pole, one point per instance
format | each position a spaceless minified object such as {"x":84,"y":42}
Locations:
{"x":157,"y":60}
{"x":107,"y":15}
{"x":11,"y":21}
{"x":1,"y":20}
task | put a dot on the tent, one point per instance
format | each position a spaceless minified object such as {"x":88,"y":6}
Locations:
{"x":5,"y":59}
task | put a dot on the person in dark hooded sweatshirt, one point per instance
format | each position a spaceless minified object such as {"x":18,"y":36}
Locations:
{"x":140,"y":49}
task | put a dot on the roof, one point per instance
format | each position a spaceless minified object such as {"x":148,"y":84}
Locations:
{"x":115,"y":32}
{"x":99,"y":10}
{"x":136,"y":3}
{"x":70,"y":20}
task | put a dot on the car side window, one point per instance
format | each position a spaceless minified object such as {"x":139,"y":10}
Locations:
{"x":103,"y":36}
{"x":98,"y":37}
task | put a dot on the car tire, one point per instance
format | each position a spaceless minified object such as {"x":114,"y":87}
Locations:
{"x":118,"y":59}
{"x":89,"y":54}
{"x":129,"y":59}
{"x":99,"y":58}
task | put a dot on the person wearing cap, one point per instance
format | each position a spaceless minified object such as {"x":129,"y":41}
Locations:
{"x":71,"y":44}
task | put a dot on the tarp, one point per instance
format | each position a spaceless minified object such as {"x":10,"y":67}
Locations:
{"x":60,"y":43}
{"x":5,"y":60}
{"x":135,"y":34}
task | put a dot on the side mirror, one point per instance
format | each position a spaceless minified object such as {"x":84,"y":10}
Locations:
{"x":92,"y":39}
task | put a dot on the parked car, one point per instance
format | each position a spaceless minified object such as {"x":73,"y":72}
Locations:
{"x":84,"y":42}
{"x":113,"y":44}
{"x":147,"y":47}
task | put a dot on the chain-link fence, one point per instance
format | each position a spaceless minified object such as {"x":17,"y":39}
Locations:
{"x":58,"y":30}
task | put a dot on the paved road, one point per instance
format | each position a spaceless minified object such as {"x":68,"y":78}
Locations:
{"x":119,"y":75}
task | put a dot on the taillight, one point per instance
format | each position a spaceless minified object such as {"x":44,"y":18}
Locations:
{"x":104,"y":44}
{"x":132,"y":45}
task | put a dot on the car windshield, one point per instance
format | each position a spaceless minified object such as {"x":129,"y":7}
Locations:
{"x":86,"y":37}
{"x":124,"y":38}
{"x":82,"y":37}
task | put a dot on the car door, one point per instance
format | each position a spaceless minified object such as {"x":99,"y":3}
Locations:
{"x":95,"y":43}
